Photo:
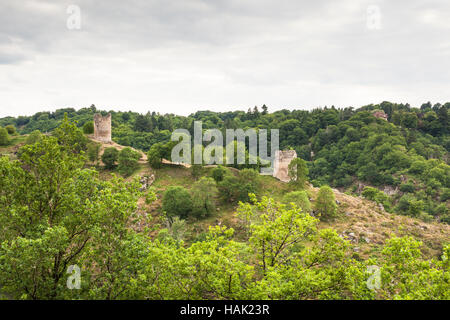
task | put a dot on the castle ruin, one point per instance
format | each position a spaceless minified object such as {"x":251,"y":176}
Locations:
{"x":282,"y":160}
{"x":102,"y":128}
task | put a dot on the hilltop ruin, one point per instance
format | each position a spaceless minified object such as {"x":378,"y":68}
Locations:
{"x":282,"y":160}
{"x":102,"y":128}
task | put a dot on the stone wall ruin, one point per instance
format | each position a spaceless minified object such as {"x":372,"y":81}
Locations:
{"x":102,"y":128}
{"x":282,"y":160}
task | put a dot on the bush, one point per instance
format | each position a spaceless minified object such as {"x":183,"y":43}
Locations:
{"x":445,"y":194}
{"x":4,"y":138}
{"x":409,"y":205}
{"x":236,"y":188}
{"x":298,"y":172}
{"x":204,"y":193}
{"x":93,"y":150}
{"x":128,"y":161}
{"x":110,"y":157}
{"x":325,"y":204}
{"x":88,"y":127}
{"x":33,"y":137}
{"x":11,"y":129}
{"x":177,"y":202}
{"x":218,"y":173}
{"x":299,"y":198}
{"x":407,"y":187}
{"x":378,"y":196}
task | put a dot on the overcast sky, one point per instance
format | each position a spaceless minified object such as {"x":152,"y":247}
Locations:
{"x":187,"y":55}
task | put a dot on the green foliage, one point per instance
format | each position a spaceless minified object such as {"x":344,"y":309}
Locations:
{"x":236,"y":188}
{"x":378,"y":196}
{"x":55,"y":213}
{"x":409,"y":205}
{"x":70,"y":137}
{"x":11,"y":129}
{"x":128,"y":161}
{"x":196,"y":171}
{"x":88,"y":127}
{"x":93,"y":150}
{"x":109,"y":157}
{"x":325,"y":204}
{"x":300,"y":199}
{"x":4,"y":138}
{"x":204,"y":193}
{"x":218,"y":173}
{"x":298,"y":172}
{"x":158,"y":152}
{"x":407,"y":187}
{"x":33,"y":137}
{"x":177,"y":201}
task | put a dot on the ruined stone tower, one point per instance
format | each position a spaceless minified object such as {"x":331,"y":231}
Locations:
{"x":282,"y":160}
{"x":102,"y":127}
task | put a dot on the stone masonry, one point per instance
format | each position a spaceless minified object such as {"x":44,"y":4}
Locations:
{"x":282,"y":160}
{"x":102,"y":128}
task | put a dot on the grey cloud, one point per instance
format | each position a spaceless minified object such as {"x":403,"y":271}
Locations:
{"x":245,"y":45}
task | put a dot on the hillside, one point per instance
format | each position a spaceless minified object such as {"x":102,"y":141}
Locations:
{"x":195,"y":224}
{"x":364,"y":223}
{"x":360,"y":221}
{"x":396,"y":148}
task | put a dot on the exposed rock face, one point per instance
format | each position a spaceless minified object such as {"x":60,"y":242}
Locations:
{"x":102,"y":128}
{"x":146,"y":181}
{"x":282,"y":160}
{"x":380,"y":114}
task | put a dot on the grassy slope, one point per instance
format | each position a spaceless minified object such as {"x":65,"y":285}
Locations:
{"x":361,"y":221}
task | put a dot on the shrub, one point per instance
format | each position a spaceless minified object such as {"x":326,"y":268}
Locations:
{"x":110,"y":157}
{"x":11,"y":129}
{"x":93,"y":150}
{"x":4,"y":138}
{"x":33,"y":137}
{"x":177,"y":202}
{"x":128,"y":161}
{"x":218,"y":173}
{"x":378,"y":196}
{"x":236,"y":188}
{"x":204,"y":193}
{"x":298,"y":172}
{"x":325,"y":203}
{"x":299,"y":198}
{"x":88,"y":127}
{"x":407,"y":187}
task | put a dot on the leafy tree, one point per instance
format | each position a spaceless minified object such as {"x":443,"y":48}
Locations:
{"x":218,"y":173}
{"x":325,"y":204}
{"x":177,"y":202}
{"x":298,"y":172}
{"x":53,"y":215}
{"x":204,"y":193}
{"x":378,"y":196}
{"x":70,"y":136}
{"x":128,"y":161}
{"x":109,"y":157}
{"x":236,"y":188}
{"x":300,"y":199}
{"x":4,"y":138}
{"x":11,"y":129}
{"x":33,"y":137}
{"x":88,"y":127}
{"x":157,"y":152}
{"x":93,"y":150}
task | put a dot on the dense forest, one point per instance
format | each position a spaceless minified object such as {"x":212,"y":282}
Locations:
{"x":404,"y":156}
